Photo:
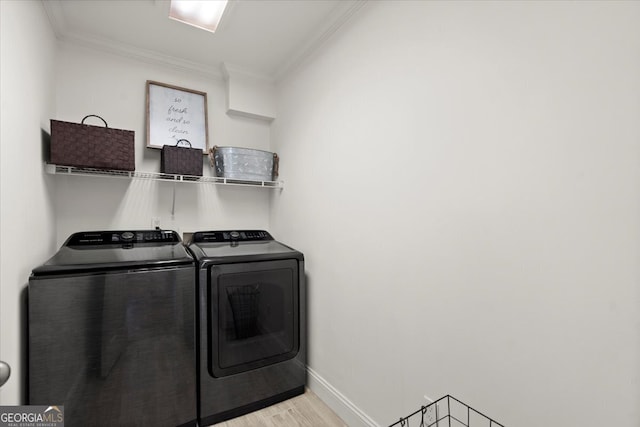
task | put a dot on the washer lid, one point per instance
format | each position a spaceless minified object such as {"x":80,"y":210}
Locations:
{"x":93,"y":251}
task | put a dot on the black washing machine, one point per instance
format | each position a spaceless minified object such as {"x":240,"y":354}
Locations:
{"x":112,"y":330}
{"x":252,"y":322}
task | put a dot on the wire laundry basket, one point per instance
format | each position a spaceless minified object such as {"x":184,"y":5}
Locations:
{"x":447,"y":412}
{"x":244,"y":301}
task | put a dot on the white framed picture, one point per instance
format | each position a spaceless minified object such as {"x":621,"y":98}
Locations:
{"x":175,"y":113}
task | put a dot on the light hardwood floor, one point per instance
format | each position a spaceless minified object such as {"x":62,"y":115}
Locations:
{"x":306,"y":410}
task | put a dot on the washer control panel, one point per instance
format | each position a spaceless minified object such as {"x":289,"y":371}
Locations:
{"x":231,"y":236}
{"x":98,"y":238}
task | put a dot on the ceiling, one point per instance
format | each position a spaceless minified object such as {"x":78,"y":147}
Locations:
{"x":266,"y":38}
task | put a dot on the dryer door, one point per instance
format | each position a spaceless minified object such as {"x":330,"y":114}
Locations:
{"x":253,"y":318}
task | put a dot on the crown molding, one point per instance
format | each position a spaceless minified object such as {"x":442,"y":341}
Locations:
{"x":338,"y":18}
{"x":56,"y":18}
{"x":143,"y":55}
{"x":228,"y":70}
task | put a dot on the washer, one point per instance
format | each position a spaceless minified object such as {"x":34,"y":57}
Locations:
{"x":112,"y":330}
{"x":252,"y":322}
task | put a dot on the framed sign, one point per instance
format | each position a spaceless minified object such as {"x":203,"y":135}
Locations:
{"x":175,"y":113}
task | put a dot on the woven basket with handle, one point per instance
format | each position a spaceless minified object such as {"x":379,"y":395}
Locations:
{"x":88,"y":146}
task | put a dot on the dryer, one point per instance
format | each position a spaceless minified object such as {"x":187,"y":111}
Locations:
{"x":251,"y":322}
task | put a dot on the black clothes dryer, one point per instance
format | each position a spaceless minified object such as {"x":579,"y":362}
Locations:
{"x":112,"y":330}
{"x":252,"y":322}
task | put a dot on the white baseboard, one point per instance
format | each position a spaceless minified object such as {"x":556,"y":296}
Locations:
{"x":343,"y":407}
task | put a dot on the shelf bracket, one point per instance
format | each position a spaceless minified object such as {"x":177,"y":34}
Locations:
{"x":173,"y":203}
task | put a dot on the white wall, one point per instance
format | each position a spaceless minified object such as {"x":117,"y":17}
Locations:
{"x":95,"y":82}
{"x":464,"y":180}
{"x":27,"y":47}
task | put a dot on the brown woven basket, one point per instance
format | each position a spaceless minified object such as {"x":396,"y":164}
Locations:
{"x":181,"y":160}
{"x":87,"y":146}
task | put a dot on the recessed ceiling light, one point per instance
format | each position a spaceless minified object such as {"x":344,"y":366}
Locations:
{"x":205,"y":14}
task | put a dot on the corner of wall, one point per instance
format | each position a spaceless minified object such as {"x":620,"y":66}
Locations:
{"x":249,"y":94}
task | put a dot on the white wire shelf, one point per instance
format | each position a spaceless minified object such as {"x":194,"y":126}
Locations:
{"x":157,"y":176}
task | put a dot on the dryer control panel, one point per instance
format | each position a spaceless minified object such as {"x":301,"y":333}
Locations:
{"x":231,"y":236}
